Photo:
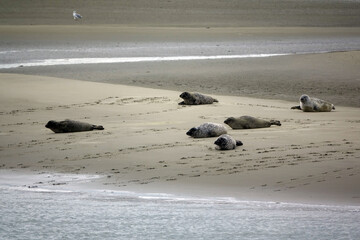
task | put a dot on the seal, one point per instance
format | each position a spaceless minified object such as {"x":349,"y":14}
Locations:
{"x":206,"y":130}
{"x":227,"y":142}
{"x":71,"y":126}
{"x":248,"y":122}
{"x":196,"y":99}
{"x":308,"y":104}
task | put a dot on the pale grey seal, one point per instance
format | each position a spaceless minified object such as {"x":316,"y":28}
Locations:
{"x":248,"y":122}
{"x":206,"y":130}
{"x":71,"y":126}
{"x":227,"y":142}
{"x":308,"y":104}
{"x":196,"y":99}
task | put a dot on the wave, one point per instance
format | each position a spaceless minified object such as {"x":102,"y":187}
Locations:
{"x":73,"y":61}
{"x":78,"y":184}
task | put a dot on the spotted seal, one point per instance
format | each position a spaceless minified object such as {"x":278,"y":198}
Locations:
{"x":227,"y":142}
{"x":196,"y":99}
{"x":308,"y":104}
{"x":248,"y":122}
{"x":71,"y":126}
{"x":206,"y":130}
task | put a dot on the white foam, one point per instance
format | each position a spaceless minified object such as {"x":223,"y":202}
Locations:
{"x":69,"y":183}
{"x":42,"y":190}
{"x":72,"y":61}
{"x":42,"y":182}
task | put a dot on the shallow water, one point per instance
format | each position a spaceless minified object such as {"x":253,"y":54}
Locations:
{"x":13,"y":53}
{"x":56,"y":211}
{"x":74,"y":61}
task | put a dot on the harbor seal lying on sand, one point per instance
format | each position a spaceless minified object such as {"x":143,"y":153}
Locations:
{"x":206,"y":130}
{"x":196,"y":99}
{"x":71,"y":126}
{"x":227,"y":142}
{"x":308,"y":104}
{"x":248,"y":122}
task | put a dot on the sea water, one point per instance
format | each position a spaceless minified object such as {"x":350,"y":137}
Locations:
{"x":74,"y":61}
{"x":64,"y":212}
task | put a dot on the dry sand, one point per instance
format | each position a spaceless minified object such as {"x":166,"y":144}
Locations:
{"x":311,"y":158}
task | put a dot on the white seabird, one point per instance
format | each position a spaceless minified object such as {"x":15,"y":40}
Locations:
{"x":76,"y":15}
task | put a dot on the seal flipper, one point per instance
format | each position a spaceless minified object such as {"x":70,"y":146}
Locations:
{"x":296,"y":107}
{"x":239,"y":143}
{"x":275,"y":122}
{"x":98,"y":127}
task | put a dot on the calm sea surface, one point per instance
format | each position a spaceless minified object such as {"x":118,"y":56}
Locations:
{"x":51,"y":211}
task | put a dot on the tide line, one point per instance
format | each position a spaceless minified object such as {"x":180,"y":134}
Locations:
{"x":74,"y":61}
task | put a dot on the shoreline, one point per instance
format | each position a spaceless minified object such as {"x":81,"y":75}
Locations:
{"x":311,"y":158}
{"x":317,"y":75}
{"x":331,"y":76}
{"x":112,"y":60}
{"x":48,"y":182}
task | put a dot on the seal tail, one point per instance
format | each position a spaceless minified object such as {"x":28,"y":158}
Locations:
{"x":98,"y":127}
{"x":275,"y":122}
{"x":333,"y":107}
{"x":239,"y":143}
{"x":215,"y":100}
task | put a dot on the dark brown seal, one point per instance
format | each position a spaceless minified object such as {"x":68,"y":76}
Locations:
{"x":71,"y":126}
{"x":248,"y":122}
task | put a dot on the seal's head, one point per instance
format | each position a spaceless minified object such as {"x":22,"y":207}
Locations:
{"x":221,"y":142}
{"x":51,"y":124}
{"x":229,"y":120}
{"x":191,"y":132}
{"x":225,"y":142}
{"x":304,"y":98}
{"x":185,"y":95}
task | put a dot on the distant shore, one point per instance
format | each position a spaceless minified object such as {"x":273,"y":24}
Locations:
{"x":185,"y":13}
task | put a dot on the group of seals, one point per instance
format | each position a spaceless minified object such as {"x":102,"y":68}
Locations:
{"x":308,"y":104}
{"x":68,"y":125}
{"x":205,"y":130}
{"x":225,"y":141}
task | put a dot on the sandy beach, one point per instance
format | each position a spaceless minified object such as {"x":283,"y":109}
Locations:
{"x":313,"y":158}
